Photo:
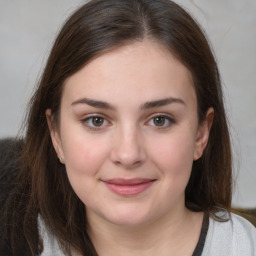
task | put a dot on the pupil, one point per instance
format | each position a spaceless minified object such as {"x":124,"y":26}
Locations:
{"x":97,"y":121}
{"x":159,"y":120}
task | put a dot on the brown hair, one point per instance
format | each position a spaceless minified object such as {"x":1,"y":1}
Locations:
{"x":93,"y":29}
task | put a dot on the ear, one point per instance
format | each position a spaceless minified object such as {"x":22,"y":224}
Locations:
{"x":56,"y":141}
{"x":203,"y":133}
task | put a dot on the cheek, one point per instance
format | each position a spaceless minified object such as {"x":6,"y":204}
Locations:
{"x":173,"y":158}
{"x":174,"y":155}
{"x":83,"y":160}
{"x":83,"y":154}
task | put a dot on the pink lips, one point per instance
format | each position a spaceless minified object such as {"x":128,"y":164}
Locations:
{"x":128,"y":187}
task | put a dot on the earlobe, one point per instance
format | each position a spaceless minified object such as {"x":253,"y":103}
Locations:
{"x":56,"y":141}
{"x":203,"y":134}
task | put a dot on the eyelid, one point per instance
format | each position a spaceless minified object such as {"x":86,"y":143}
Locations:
{"x":164,"y":115}
{"x":85,"y":120}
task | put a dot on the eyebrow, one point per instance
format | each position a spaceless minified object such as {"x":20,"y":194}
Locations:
{"x":146,"y":105}
{"x":161,"y":102}
{"x":93,"y":103}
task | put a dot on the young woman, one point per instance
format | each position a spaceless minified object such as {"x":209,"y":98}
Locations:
{"x":127,"y":147}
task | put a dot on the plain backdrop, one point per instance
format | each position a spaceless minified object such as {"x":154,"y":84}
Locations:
{"x":27,"y":31}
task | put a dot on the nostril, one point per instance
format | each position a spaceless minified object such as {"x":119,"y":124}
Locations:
{"x":126,"y":160}
{"x":128,"y":165}
{"x":128,"y":149}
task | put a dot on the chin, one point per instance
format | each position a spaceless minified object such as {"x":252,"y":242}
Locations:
{"x":129,"y":216}
{"x":128,"y":221}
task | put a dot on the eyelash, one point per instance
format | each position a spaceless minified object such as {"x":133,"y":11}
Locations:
{"x":88,"y":122}
{"x":168,"y":121}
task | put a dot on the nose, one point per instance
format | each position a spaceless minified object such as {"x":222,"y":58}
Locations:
{"x":128,"y":149}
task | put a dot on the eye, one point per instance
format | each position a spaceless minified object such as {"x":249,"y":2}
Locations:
{"x":95,"y":122}
{"x":160,"y":121}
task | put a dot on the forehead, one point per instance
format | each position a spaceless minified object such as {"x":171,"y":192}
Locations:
{"x":140,"y":71}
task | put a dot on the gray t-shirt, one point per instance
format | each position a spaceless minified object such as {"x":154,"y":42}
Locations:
{"x":236,"y":237}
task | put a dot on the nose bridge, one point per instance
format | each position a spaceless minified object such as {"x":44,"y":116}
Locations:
{"x":128,"y":147}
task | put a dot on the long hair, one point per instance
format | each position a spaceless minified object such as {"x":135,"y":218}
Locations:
{"x":95,"y":28}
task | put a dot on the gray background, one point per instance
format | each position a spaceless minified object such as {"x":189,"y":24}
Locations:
{"x":28,"y":28}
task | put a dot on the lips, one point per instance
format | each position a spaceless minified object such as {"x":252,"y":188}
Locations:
{"x":128,"y":187}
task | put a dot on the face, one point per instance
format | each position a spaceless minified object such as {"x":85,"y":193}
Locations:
{"x":129,"y":132}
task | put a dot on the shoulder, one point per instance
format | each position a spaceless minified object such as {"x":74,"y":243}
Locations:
{"x":10,"y":150}
{"x":241,"y":224}
{"x":9,"y":166}
{"x":237,"y":236}
{"x":50,"y":243}
{"x":244,"y":235}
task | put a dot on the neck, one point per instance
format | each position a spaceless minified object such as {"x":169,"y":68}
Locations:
{"x":173,"y":234}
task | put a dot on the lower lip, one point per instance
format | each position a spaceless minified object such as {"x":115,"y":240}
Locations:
{"x":129,"y":190}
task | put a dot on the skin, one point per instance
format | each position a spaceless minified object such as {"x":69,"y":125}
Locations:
{"x":128,"y":142}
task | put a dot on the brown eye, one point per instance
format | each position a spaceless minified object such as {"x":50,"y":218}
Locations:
{"x":159,"y":120}
{"x":97,"y":121}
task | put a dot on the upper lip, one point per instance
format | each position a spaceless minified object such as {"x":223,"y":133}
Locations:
{"x":134,"y":181}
